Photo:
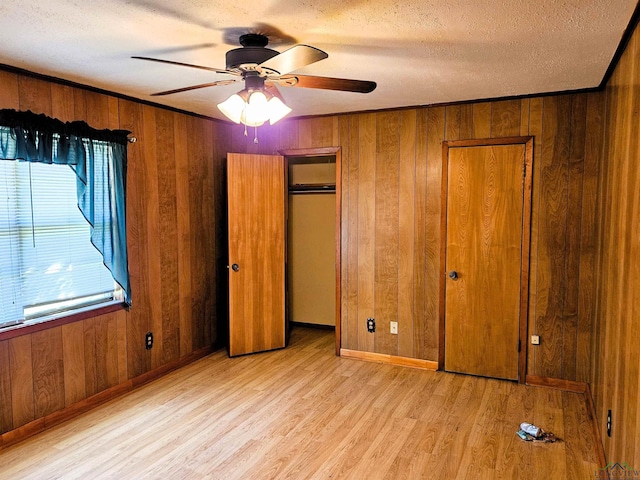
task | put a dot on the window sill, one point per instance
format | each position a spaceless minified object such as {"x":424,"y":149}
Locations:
{"x":32,"y":326}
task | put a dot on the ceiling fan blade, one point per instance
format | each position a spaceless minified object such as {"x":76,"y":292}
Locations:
{"x":328,"y":83}
{"x":171,"y":62}
{"x":294,"y":58}
{"x":193,"y":87}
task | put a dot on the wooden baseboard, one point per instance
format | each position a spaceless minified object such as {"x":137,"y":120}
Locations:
{"x":389,"y":359}
{"x":41,"y":424}
{"x":593,"y":418}
{"x":557,"y":383}
{"x":577,"y":387}
{"x":318,"y":326}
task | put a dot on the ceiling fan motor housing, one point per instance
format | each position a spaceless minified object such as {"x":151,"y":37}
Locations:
{"x":253,"y":51}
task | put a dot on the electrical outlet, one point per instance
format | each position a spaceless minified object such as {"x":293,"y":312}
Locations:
{"x":148,"y":340}
{"x":393,"y":327}
{"x":535,"y":339}
{"x":371,"y":325}
{"x":609,"y":423}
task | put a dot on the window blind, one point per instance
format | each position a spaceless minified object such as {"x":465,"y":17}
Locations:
{"x":47,"y":262}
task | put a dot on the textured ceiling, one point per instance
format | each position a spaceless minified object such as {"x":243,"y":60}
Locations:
{"x":419,"y":52}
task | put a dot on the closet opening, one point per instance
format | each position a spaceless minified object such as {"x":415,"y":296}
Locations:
{"x":313,"y":233}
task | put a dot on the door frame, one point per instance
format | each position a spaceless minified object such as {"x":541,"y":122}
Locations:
{"x":328,"y":152}
{"x":527,"y":141}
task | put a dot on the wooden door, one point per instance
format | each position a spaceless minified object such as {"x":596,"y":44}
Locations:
{"x":486,"y":224}
{"x":257,"y":238}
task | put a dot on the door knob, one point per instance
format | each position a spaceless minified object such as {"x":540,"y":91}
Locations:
{"x":453,"y":275}
{"x":235,"y":267}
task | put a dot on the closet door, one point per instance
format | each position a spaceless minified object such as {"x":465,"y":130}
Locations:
{"x":257,"y":238}
{"x":486,"y":255}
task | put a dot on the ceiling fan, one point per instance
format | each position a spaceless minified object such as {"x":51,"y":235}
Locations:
{"x":263,"y":69}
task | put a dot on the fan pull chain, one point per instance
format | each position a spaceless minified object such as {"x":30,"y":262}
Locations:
{"x":255,"y":137}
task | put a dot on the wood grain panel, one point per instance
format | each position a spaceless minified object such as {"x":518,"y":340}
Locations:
{"x":435,"y":137}
{"x":552,"y":234}
{"x":114,"y":113}
{"x":315,"y":132}
{"x":406,"y":233}
{"x":183,"y":233}
{"x":386,"y":231}
{"x":343,"y":240}
{"x":35,"y":95}
{"x":573,"y":235}
{"x":97,"y":105}
{"x":588,"y":239}
{"x":90,"y":357}
{"x":62,"y":102}
{"x":168,"y":233}
{"x":536,"y":111}
{"x":198,"y":159}
{"x":288,"y":135}
{"x":366,"y":228}
{"x":21,"y":374}
{"x":420,"y":319}
{"x":106,"y":330}
{"x":153,"y":242}
{"x":121,"y":319}
{"x":80,"y":103}
{"x":348,"y":238}
{"x":452,"y":125}
{"x":466,"y":121}
{"x":73,"y":363}
{"x":48,"y":371}
{"x":208,"y":241}
{"x":525,"y":116}
{"x":505,"y":118}
{"x":9,"y":93}
{"x":350,"y":164}
{"x":6,"y":419}
{"x":482,"y":119}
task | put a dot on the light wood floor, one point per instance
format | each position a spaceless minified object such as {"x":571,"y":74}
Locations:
{"x":304,"y":413}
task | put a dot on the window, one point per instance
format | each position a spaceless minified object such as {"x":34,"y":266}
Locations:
{"x":62,"y":218}
{"x":48,"y":265}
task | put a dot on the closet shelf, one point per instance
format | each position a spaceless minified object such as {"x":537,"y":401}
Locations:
{"x":312,"y":188}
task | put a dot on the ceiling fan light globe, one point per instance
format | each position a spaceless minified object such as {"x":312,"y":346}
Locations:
{"x":233,"y":107}
{"x":277,"y":110}
{"x":250,"y":121}
{"x":256,"y":111}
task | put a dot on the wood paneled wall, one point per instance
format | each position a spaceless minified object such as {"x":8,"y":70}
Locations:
{"x":391,"y":187}
{"x":615,"y":380}
{"x":176,"y":242}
